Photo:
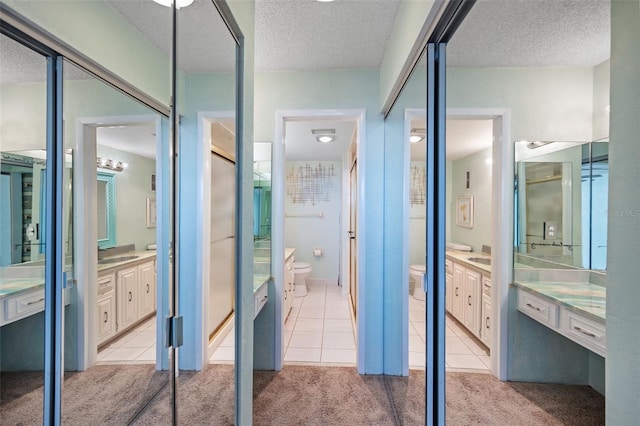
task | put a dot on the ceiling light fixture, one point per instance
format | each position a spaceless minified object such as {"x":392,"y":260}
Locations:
{"x":417,"y":135}
{"x":325,"y":1}
{"x":179,"y":3}
{"x":325,"y":138}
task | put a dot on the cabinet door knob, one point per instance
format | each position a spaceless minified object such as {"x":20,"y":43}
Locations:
{"x":130,"y":296}
{"x":106,"y":317}
{"x":469,"y":300}
{"x":147,"y":288}
{"x":486,"y":323}
{"x":456,"y":291}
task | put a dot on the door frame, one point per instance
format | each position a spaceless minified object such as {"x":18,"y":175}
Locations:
{"x":278,"y":213}
{"x":85,"y":234}
{"x":502,"y":236}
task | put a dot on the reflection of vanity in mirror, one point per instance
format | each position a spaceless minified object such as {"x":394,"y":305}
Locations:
{"x":22,"y":230}
{"x":261,"y":222}
{"x":561,"y":237}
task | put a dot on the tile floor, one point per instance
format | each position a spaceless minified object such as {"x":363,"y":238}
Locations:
{"x":136,"y":347}
{"x":319,"y":330}
{"x":462,"y":351}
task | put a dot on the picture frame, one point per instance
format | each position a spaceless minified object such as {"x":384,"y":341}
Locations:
{"x":151,"y":212}
{"x":464,"y":211}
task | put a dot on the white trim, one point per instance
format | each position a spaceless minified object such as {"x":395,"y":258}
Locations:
{"x":277,"y":196}
{"x":85,"y":234}
{"x":203,"y":217}
{"x":502,"y":224}
{"x":502,"y":228}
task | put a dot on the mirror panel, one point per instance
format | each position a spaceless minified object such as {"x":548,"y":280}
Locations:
{"x":262,"y":209}
{"x":561,"y":193}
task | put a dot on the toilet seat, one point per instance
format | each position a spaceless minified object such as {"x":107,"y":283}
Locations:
{"x":301,"y":265}
{"x":418,"y":268}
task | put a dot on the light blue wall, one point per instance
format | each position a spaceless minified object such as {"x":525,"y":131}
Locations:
{"x":306,"y":233}
{"x":623,"y":289}
{"x":133,"y":187}
{"x":480,"y":189}
{"x":342,"y":90}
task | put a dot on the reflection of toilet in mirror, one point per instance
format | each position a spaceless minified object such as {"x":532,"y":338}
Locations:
{"x":416,"y":273}
{"x":301,"y":271}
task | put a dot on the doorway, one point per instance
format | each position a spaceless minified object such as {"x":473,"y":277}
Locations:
{"x":471,"y":174}
{"x":317,"y":327}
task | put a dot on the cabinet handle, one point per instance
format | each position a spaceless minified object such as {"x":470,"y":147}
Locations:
{"x":130,"y":296}
{"x":147,"y":288}
{"x":534,"y":307}
{"x":469,"y":300}
{"x":106,"y":317}
{"x":456,"y":291}
{"x":285,"y":295}
{"x":584,"y":331}
{"x":35,"y":301}
{"x":486,"y":323}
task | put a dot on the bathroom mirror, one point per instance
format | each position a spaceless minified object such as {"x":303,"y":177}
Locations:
{"x":106,"y":210}
{"x":561,"y":191}
{"x":262,"y":207}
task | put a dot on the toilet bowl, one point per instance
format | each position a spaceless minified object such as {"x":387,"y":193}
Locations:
{"x":301,"y":271}
{"x":416,"y":272}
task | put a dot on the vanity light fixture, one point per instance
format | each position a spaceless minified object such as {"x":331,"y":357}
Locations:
{"x":179,"y":3}
{"x":106,"y":163}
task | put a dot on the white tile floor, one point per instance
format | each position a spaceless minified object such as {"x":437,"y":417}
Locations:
{"x":462,"y":351}
{"x":136,"y":347}
{"x":318,"y":331}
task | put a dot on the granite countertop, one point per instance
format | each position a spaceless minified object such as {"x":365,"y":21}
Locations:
{"x":12,"y":286}
{"x":463,"y":256}
{"x":141,"y":256}
{"x":582,"y":297}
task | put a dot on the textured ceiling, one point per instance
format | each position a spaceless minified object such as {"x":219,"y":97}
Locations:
{"x":464,"y":137}
{"x":136,"y":138}
{"x":532,"y":33}
{"x":311,"y":35}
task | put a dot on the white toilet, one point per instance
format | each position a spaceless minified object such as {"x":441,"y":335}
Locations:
{"x":416,"y":272}
{"x":301,"y":271}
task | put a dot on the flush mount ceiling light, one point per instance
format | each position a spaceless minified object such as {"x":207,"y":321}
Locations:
{"x":325,"y":138}
{"x":324,"y":1}
{"x":324,"y":135}
{"x":179,"y":3}
{"x":417,"y":135}
{"x":536,"y":144}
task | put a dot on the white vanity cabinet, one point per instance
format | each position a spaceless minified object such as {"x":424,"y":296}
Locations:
{"x":126,"y":295}
{"x":459,"y":273}
{"x":127,"y":291}
{"x":485,"y":326}
{"x":106,"y":307}
{"x":449,"y":285}
{"x":146,"y":288}
{"x":472,"y":301}
{"x":288,"y":286}
{"x":467,"y":298}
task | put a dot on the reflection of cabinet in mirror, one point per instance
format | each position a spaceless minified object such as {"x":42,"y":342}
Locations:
{"x":126,"y":297}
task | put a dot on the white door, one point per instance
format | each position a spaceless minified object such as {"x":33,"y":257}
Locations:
{"x":222,"y":256}
{"x":353,"y":226}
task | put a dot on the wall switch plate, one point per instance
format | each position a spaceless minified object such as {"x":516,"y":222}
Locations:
{"x":551,"y":230}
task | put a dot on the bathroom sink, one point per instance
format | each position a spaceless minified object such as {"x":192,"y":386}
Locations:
{"x":481,"y":260}
{"x":116,"y":259}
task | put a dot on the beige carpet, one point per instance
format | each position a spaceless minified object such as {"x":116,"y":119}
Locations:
{"x":298,"y":395}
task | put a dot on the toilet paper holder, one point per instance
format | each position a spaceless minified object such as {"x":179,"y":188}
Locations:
{"x":317,"y":252}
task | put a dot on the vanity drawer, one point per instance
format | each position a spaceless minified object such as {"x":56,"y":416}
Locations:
{"x":584,"y":331}
{"x":538,"y":308}
{"x":23,"y":305}
{"x":260,"y":299}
